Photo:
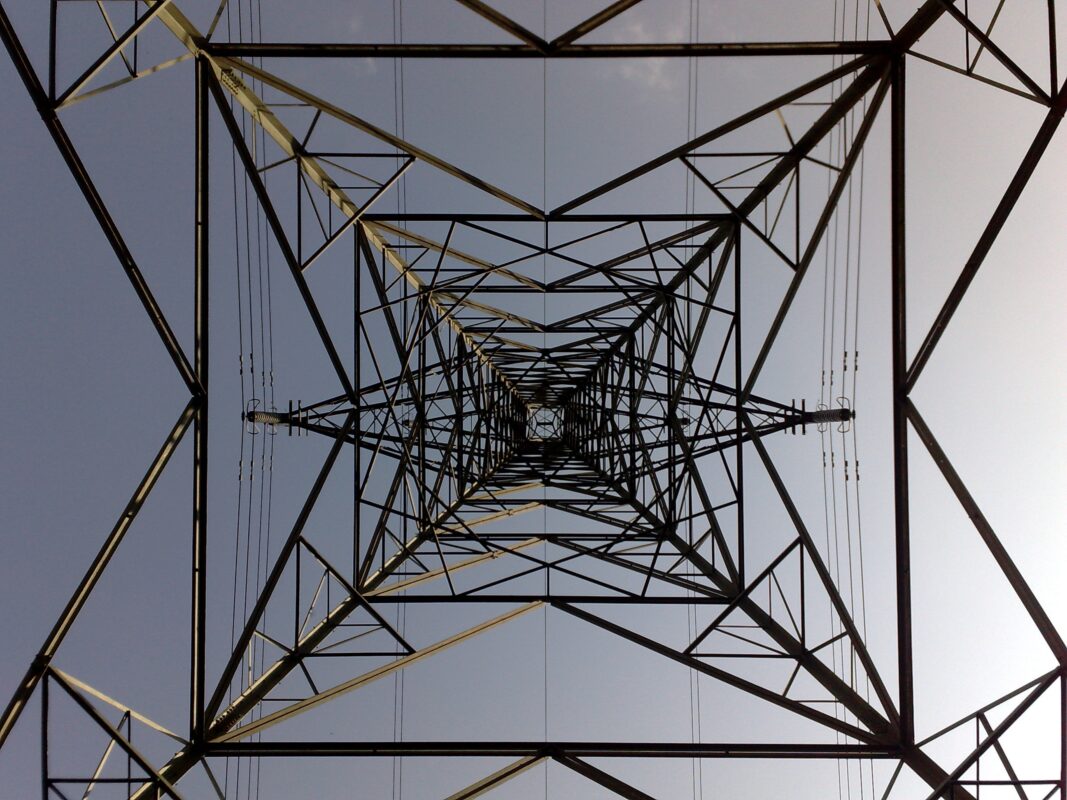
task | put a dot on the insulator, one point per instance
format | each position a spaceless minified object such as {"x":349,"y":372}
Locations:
{"x":829,"y":415}
{"x":267,"y":418}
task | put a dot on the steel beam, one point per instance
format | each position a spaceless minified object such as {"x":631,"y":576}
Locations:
{"x":201,"y":329}
{"x":96,"y":204}
{"x":577,"y":749}
{"x":275,"y":576}
{"x":501,"y":776}
{"x":990,"y":233}
{"x":899,"y":398}
{"x":222,"y":729}
{"x":44,"y":656}
{"x":1015,"y":578}
{"x":165,"y":786}
{"x":598,"y":776}
{"x":529,"y":51}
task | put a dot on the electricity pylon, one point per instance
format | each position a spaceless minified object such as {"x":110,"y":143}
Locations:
{"x":625,"y":410}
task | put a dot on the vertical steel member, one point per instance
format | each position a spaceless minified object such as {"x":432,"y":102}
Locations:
{"x":900,"y":423}
{"x":357,"y":382}
{"x":739,"y":463}
{"x":200,"y":422}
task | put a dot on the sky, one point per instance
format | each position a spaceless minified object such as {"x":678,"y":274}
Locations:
{"x":92,"y":393}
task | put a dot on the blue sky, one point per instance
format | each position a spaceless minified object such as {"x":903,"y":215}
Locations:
{"x":92,"y":393}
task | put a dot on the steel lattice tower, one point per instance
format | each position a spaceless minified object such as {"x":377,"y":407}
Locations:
{"x":590,"y":457}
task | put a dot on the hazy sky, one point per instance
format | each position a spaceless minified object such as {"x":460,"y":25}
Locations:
{"x":91,"y":393}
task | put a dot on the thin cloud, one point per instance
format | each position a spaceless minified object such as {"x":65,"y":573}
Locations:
{"x":651,"y":74}
{"x":362,"y":67}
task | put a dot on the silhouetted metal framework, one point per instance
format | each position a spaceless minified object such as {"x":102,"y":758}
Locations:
{"x":597,"y":413}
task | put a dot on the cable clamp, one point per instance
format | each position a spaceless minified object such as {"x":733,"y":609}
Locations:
{"x":845,"y":425}
{"x":251,"y":407}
